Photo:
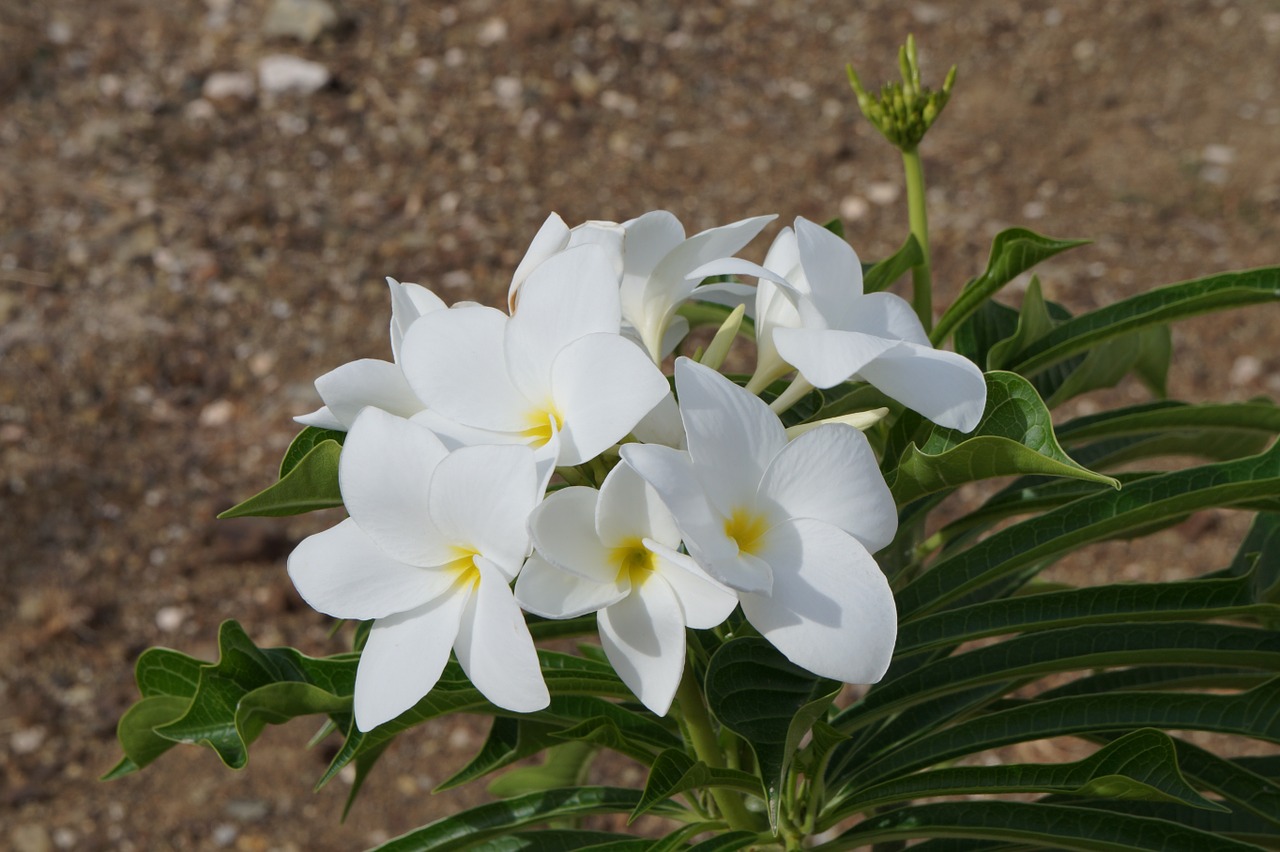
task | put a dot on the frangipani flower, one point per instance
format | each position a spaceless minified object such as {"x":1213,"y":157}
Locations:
{"x":832,"y":331}
{"x":615,"y":551}
{"x":369,"y":381}
{"x":556,"y":371}
{"x":791,"y":526}
{"x":431,"y":545}
{"x":657,"y":260}
{"x":555,"y":236}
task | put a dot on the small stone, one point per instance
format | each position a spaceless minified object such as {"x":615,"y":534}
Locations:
{"x":170,"y":618}
{"x":303,"y":20}
{"x":27,"y":740}
{"x":247,"y":810}
{"x":217,"y":413}
{"x":854,"y":207}
{"x":491,"y":32}
{"x":30,"y":838}
{"x":456,"y":279}
{"x":225,"y":834}
{"x":508,"y":90}
{"x":1034,"y":210}
{"x":229,"y":86}
{"x":1245,"y":370}
{"x":1218,"y":155}
{"x":883,"y":192}
{"x":281,"y":74}
{"x":58,"y":32}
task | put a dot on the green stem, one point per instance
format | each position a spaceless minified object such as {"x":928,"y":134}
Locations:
{"x":921,"y":273}
{"x":697,"y":722}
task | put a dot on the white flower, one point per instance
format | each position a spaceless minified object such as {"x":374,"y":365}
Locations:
{"x":790,"y":525}
{"x":615,"y":551}
{"x":555,"y":236}
{"x":370,"y":381}
{"x":556,"y":375}
{"x":832,"y":331}
{"x":432,"y":544}
{"x":657,"y":260}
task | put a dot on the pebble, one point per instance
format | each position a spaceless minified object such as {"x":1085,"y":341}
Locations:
{"x":491,"y":32}
{"x":883,"y":192}
{"x":217,"y":413}
{"x":1245,"y":370}
{"x":1218,"y":155}
{"x":284,"y":74}
{"x":853,"y":208}
{"x":30,"y":838}
{"x":27,"y":740}
{"x":229,"y":86}
{"x":303,"y":20}
{"x":170,"y":618}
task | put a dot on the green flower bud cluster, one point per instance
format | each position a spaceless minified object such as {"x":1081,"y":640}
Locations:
{"x":904,"y":111}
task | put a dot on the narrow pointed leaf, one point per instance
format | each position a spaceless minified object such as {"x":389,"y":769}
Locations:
{"x":510,"y":739}
{"x":1162,"y":305}
{"x":309,"y":485}
{"x":674,"y":772}
{"x":1256,"y":416}
{"x":1089,"y":519}
{"x":1013,"y":252}
{"x":562,"y":840}
{"x":881,"y":275}
{"x":564,"y":765}
{"x":302,"y":445}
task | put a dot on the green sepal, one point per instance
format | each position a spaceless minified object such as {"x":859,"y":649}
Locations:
{"x":674,"y":772}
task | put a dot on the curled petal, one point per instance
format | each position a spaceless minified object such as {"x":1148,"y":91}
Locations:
{"x":830,"y":474}
{"x":827,"y":357}
{"x":545,"y":590}
{"x":342,"y":573}
{"x":831,"y":610}
{"x":480,"y":499}
{"x":705,"y":602}
{"x":564,"y":531}
{"x":366,"y":382}
{"x":408,"y":302}
{"x":628,"y":509}
{"x":947,"y":388}
{"x":551,"y":238}
{"x":495,"y":648}
{"x":832,"y":269}
{"x":383,"y":472}
{"x":403,"y":658}
{"x":643,"y":637}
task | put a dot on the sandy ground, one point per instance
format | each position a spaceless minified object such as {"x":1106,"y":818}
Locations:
{"x":182,"y":254}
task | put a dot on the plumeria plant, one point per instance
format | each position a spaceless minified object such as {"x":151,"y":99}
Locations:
{"x":568,"y":517}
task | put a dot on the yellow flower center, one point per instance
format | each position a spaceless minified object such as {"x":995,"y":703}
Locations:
{"x":539,"y":430}
{"x":635,"y":562}
{"x":463,"y":566}
{"x":747,"y":529}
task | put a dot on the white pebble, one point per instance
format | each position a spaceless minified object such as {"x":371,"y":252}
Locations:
{"x":281,"y":73}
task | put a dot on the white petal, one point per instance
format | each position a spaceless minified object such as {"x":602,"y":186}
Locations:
{"x":607,"y":235}
{"x":628,"y":509}
{"x":827,"y":357}
{"x":649,"y":238}
{"x":705,"y":602}
{"x":357,"y":384}
{"x":830,"y":473}
{"x":453,"y":434}
{"x":672,"y":475}
{"x":495,"y":648}
{"x":570,"y":295}
{"x":403,"y":658}
{"x":733,"y":266}
{"x":340,"y":572}
{"x":455,"y":363}
{"x":602,"y":385}
{"x":677,"y":330}
{"x":563,"y":529}
{"x":383,"y":472}
{"x":711,"y":244}
{"x":662,"y":425}
{"x":775,"y":308}
{"x":831,"y":611}
{"x":832,"y":269}
{"x":551,"y":238}
{"x":545,"y":590}
{"x":887,"y":315}
{"x":947,"y":388}
{"x":727,"y":293}
{"x":783,"y":257}
{"x":732,"y":434}
{"x":321,"y":418}
{"x":480,"y":499}
{"x":408,"y":302}
{"x":643,"y":637}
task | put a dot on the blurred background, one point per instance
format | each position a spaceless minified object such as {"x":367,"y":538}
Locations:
{"x":199,"y":200}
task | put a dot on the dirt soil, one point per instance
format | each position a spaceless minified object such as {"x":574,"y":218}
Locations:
{"x":181,"y":254}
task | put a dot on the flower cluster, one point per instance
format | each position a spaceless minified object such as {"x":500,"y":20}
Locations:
{"x":537,"y":461}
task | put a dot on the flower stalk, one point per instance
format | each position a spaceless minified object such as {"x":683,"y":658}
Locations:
{"x":697,"y":723}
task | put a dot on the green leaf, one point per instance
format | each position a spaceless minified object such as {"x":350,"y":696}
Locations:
{"x":1090,"y":519}
{"x":1161,"y":677}
{"x":1155,"y":352}
{"x":302,"y":445}
{"x":674,"y":772}
{"x":1162,"y":305}
{"x":1128,"y":602}
{"x":1044,"y":826}
{"x":1034,"y":322}
{"x":136,"y":732}
{"x":1139,"y":765}
{"x":1240,"y":826}
{"x":564,"y":766}
{"x":1014,"y":436}
{"x":310,"y":484}
{"x":463,"y":830}
{"x":510,"y":739}
{"x":1258,"y":558}
{"x":1250,"y":714}
{"x":1237,"y":784}
{"x":769,"y":701}
{"x":1013,"y":252}
{"x":893,"y":267}
{"x":1069,"y":649}
{"x":562,"y":840}
{"x":1260,"y":417}
{"x":729,"y":842}
{"x":160,"y":671}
